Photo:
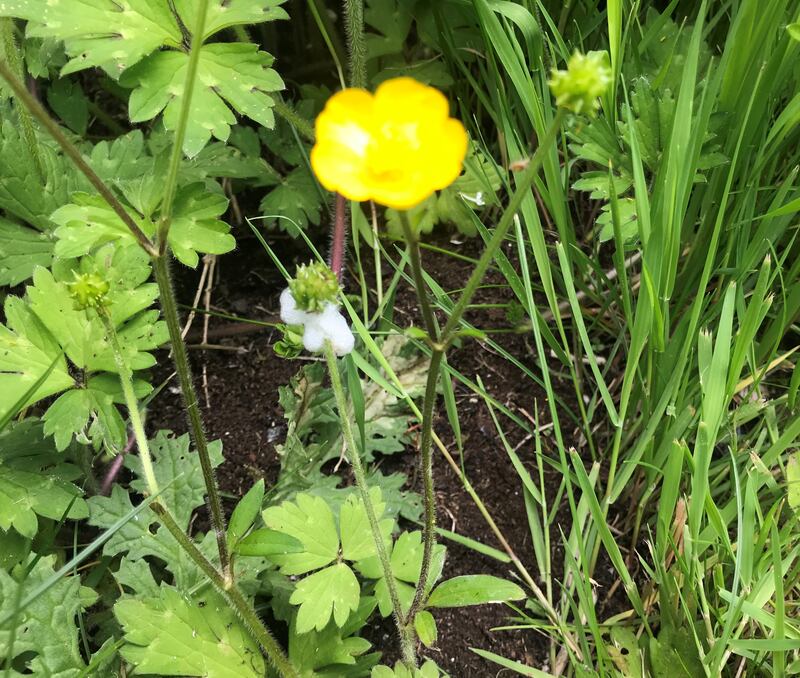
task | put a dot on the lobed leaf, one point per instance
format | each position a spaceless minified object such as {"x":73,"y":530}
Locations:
{"x":222,"y":14}
{"x":175,"y":635}
{"x":309,"y":520}
{"x":332,"y":591}
{"x":109,"y":34}
{"x":228,"y":74}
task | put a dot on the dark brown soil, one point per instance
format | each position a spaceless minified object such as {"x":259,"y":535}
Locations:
{"x":242,"y":410}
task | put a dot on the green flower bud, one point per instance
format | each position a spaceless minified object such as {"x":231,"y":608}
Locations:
{"x":88,"y":290}
{"x":586,"y":79}
{"x":314,"y":285}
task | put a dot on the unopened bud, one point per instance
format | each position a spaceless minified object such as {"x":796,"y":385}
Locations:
{"x":314,"y":286}
{"x":586,"y":79}
{"x":89,"y":290}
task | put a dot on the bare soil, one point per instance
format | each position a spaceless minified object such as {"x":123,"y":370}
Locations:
{"x":238,"y":384}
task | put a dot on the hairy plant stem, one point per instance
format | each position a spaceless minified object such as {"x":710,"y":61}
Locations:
{"x":126,"y":380}
{"x":354,"y":27}
{"x":169,"y":310}
{"x":426,"y":443}
{"x":38,"y":112}
{"x":303,"y":126}
{"x":415,"y":257}
{"x":440,"y":340}
{"x":224,"y":580}
{"x":226,"y":587}
{"x":403,"y":629}
{"x":14,"y":58}
{"x":339,"y":237}
{"x":171,"y":183}
{"x":232,"y":594}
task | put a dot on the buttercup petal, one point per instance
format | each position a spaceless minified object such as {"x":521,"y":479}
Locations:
{"x":396,"y":147}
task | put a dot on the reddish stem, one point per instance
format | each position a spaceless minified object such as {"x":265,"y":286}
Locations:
{"x":114,"y":467}
{"x":339,"y":237}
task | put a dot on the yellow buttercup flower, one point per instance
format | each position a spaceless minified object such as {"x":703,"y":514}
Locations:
{"x":395,"y":147}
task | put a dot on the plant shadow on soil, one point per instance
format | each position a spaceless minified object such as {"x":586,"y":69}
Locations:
{"x":237,"y":385}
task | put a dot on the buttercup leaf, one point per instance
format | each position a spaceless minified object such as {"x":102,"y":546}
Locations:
{"x":357,"y":541}
{"x":21,"y":251}
{"x":174,"y":635}
{"x":332,"y":591}
{"x":235,"y":74}
{"x":23,"y":192}
{"x":49,"y":626}
{"x":309,"y":520}
{"x":294,"y":203}
{"x":110,"y":34}
{"x":88,"y":222}
{"x":27,"y":351}
{"x":223,"y":14}
{"x":34,"y":481}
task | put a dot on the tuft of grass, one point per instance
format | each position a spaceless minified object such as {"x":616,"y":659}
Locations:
{"x":677,"y":334}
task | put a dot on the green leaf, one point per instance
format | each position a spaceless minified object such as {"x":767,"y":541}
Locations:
{"x":21,"y":251}
{"x":477,"y":589}
{"x":227,"y":161}
{"x":517,"y":667}
{"x":34,"y":480}
{"x":268,"y":543}
{"x":425,"y":626}
{"x":120,"y":159}
{"x":47,"y":629}
{"x":391,"y":20}
{"x":196,"y":227}
{"x":89,"y":412}
{"x":427,"y":670}
{"x":174,"y":635}
{"x":69,"y":103}
{"x":624,"y":652}
{"x":223,"y":14}
{"x":13,"y":549}
{"x":452,"y":208}
{"x":333,"y":648}
{"x":422,"y":217}
{"x":793,"y":481}
{"x":319,"y":649}
{"x":794,"y":30}
{"x":406,"y":561}
{"x":295,"y":203}
{"x":43,"y":57}
{"x":357,"y":541}
{"x":245,"y":512}
{"x":235,"y":74}
{"x":332,"y":591}
{"x":23,"y":192}
{"x":137,"y":576}
{"x":89,"y":222}
{"x":674,"y":655}
{"x":27,"y":350}
{"x":310,"y":520}
{"x":111,"y":35}
{"x":178,"y":471}
{"x":81,"y":333}
{"x":407,"y":558}
{"x":180,"y":476}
